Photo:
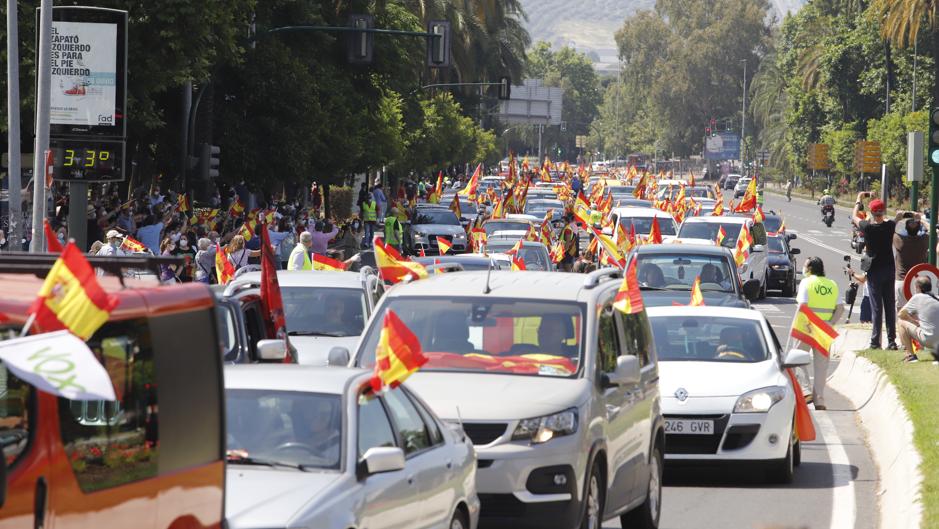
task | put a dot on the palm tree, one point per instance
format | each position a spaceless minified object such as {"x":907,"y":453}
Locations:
{"x":768,"y":105}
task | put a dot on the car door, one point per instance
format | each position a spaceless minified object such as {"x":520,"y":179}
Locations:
{"x":440,"y":489}
{"x":426,"y":464}
{"x":636,"y":340}
{"x":618,"y":402}
{"x":759,"y":258}
{"x":387,"y":499}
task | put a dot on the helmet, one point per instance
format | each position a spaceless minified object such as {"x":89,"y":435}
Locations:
{"x":826,"y":191}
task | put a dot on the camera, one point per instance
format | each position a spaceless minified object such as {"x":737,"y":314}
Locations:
{"x":907,"y":214}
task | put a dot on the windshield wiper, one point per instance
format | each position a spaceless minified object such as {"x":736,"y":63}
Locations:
{"x":248,"y":460}
{"x":647,"y":287}
{"x":318,"y":333}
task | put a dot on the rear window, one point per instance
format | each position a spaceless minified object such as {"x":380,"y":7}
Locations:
{"x":708,"y":339}
{"x":708,"y":231}
{"x":436,"y":216}
{"x":644,"y":225}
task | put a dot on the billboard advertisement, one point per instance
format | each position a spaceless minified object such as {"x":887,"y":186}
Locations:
{"x":84,"y":73}
{"x":722,"y":146}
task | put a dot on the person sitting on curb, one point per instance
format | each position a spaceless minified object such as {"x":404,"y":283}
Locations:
{"x":919,"y":319}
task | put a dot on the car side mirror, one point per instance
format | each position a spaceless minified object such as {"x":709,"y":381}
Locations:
{"x":795,"y":251}
{"x":338,"y":356}
{"x":797,"y":358}
{"x":626,"y":372}
{"x":759,"y":248}
{"x":792,"y":236}
{"x":380,"y":459}
{"x":272,"y":350}
{"x":751,"y":289}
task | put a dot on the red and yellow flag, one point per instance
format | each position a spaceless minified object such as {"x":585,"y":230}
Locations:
{"x":613,"y":251}
{"x":721,"y":235}
{"x":52,"y":242}
{"x":395,"y":268}
{"x":71,"y":298}
{"x":237,"y":208}
{"x":398,"y":354}
{"x":718,"y":209}
{"x":443,"y":245}
{"x":748,"y":202}
{"x":804,"y":427}
{"x":224,"y":271}
{"x":810,"y":329}
{"x":455,"y":207}
{"x":132,"y":245}
{"x":629,"y":298}
{"x":518,"y":264}
{"x":742,"y":248}
{"x":655,"y":233}
{"x":327,"y":264}
{"x":183,"y":205}
{"x":758,"y":216}
{"x":470,"y":190}
{"x":697,"y":298}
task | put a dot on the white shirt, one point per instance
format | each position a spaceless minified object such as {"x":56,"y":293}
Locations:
{"x":107,"y":251}
{"x":802,"y":295}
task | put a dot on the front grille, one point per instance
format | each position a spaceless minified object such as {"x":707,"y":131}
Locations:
{"x":696,"y":444}
{"x":483,"y":433}
{"x":740,"y":436}
{"x":501,"y":505}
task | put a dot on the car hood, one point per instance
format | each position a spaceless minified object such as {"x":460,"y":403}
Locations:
{"x":687,"y":240}
{"x":661,"y":298}
{"x":489,"y":397}
{"x":717,"y":379}
{"x":314,"y":350}
{"x":438,"y":229}
{"x":267,"y":497}
{"x":777,"y":259}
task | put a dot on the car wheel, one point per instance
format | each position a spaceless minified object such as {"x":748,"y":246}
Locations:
{"x":797,"y":454}
{"x":459,"y":520}
{"x":765,"y":286}
{"x":782,"y":470}
{"x":789,"y":289}
{"x":646,"y":516}
{"x":593,"y":499}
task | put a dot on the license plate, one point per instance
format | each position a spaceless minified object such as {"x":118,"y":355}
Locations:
{"x":689,"y":427}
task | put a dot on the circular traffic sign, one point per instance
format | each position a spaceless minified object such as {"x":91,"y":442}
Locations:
{"x":922,"y":269}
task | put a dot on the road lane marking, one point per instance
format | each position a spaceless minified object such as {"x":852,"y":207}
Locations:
{"x":843,"y":507}
{"x":766,"y":308}
{"x":815,"y":242}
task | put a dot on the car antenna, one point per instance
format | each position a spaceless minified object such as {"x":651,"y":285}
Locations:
{"x":488,"y":289}
{"x":459,"y":418}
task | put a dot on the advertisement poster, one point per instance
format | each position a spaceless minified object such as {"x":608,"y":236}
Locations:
{"x":84,"y":73}
{"x":722,"y":146}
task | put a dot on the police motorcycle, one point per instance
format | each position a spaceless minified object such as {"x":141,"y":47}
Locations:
{"x":828,"y":208}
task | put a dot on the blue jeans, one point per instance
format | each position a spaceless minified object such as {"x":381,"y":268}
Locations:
{"x":369,"y":233}
{"x":880,"y":285}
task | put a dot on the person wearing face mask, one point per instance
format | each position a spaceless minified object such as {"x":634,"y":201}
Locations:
{"x":185,"y":250}
{"x":113,"y":247}
{"x":205,"y":261}
{"x":167,"y":272}
{"x":820,"y":294}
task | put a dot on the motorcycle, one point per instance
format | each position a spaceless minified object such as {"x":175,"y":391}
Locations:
{"x":857,"y":241}
{"x":828,"y":215}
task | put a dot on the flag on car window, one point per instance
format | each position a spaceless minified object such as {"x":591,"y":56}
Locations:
{"x":71,"y":298}
{"x":721,"y":235}
{"x":518,"y":264}
{"x":697,"y":298}
{"x":655,"y":233}
{"x":718,"y":209}
{"x":629,"y":298}
{"x":224,"y":271}
{"x":455,"y":207}
{"x":443,"y":245}
{"x":398,"y":354}
{"x":52,"y":242}
{"x":470,"y":190}
{"x":271,"y":300}
{"x":758,"y":215}
{"x":810,"y":329}
{"x":748,"y":202}
{"x":395,"y":268}
{"x":327,"y":264}
{"x":617,"y":258}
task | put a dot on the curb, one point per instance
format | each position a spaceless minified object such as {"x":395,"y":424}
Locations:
{"x":889,"y":433}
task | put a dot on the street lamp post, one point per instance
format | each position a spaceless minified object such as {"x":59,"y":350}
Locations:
{"x":743,"y":119}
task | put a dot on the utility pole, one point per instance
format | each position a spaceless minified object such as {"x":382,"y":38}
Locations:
{"x":43,"y":95}
{"x":914,"y":187}
{"x":14,"y":168}
{"x":743,"y":121}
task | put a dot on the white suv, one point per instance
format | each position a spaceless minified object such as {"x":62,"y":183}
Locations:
{"x":704,"y":230}
{"x":557,"y":390}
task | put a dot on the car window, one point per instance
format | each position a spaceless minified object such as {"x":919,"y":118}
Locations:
{"x":708,"y":231}
{"x":254,"y":325}
{"x":324,"y":311}
{"x":15,"y":418}
{"x":637,"y":337}
{"x":436,"y":437}
{"x":709,"y":339}
{"x":435,"y":216}
{"x":679,"y":271}
{"x":114,"y":443}
{"x":407,"y":419}
{"x":644,"y":225}
{"x":607,"y":340}
{"x":374,"y":426}
{"x":227,"y":332}
{"x":776,"y":245}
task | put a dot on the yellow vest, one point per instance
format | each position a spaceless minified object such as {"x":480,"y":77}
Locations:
{"x":307,"y":264}
{"x":368,"y":212}
{"x":823,"y":296}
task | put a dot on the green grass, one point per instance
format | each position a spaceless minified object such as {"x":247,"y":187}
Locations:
{"x":918,"y":387}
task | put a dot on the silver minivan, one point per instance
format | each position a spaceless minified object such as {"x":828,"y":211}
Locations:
{"x":557,"y":390}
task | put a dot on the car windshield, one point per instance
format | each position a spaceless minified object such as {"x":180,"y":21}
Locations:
{"x":772,"y":223}
{"x":701,"y":338}
{"x":539,"y":208}
{"x":284,"y":427}
{"x":534,"y":338}
{"x":535,"y":258}
{"x":678,"y":272}
{"x":314,"y":311}
{"x":469,"y":265}
{"x":436,"y":216}
{"x":776,"y":245}
{"x":505,"y":225}
{"x":644,"y":225}
{"x":708,"y":230}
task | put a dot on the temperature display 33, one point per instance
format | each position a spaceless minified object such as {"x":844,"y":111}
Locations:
{"x":87,"y":161}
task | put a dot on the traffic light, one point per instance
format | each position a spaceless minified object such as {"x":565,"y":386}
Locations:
{"x":360,"y":43}
{"x":438,"y":46}
{"x":505,"y":88}
{"x":934,"y":137}
{"x":208,"y":161}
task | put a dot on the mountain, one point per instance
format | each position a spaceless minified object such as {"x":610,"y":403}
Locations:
{"x":590,"y":25}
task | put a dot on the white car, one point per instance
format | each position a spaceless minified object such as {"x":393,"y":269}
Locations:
{"x":641,"y":218}
{"x":725,"y":392}
{"x":703,"y":230}
{"x":323,"y":309}
{"x":313,"y":447}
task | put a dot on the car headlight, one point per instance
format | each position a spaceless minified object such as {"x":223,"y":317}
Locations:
{"x":543,"y":429}
{"x":419,"y":234}
{"x":780,"y":267}
{"x":759,"y":400}
{"x":460,"y":236}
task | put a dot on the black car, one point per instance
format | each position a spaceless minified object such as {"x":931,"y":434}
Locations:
{"x":782,"y":264}
{"x":666,"y":273}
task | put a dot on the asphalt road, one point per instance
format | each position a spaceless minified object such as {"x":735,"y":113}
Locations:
{"x":836,"y":485}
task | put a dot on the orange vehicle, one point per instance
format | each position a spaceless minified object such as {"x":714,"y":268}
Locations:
{"x":152,"y":459}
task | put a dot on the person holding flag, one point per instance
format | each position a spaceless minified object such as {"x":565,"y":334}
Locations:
{"x":818,"y":310}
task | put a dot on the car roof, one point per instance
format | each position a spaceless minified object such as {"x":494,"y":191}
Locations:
{"x":525,"y":244}
{"x":700,"y":249}
{"x":284,"y":377}
{"x":638,"y":211}
{"x":703,"y":312}
{"x":461,"y":258}
{"x":552,"y":286}
{"x":309,"y":278}
{"x":720,"y":220}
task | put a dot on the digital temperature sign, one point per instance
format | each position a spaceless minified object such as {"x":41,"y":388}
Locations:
{"x":81,"y":160}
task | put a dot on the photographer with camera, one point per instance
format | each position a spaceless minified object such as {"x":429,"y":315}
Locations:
{"x":877,"y":261}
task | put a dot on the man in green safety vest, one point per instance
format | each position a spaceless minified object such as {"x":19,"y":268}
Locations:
{"x":820,"y":294}
{"x":300,"y":256}
{"x":393,"y":229}
{"x":369,"y":217}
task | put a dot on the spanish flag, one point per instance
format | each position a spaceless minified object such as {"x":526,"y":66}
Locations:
{"x":616,"y":257}
{"x":748,"y":202}
{"x":132,"y":245}
{"x":71,"y":298}
{"x":697,"y":298}
{"x":718,"y":209}
{"x":813,"y":331}
{"x":183,"y":205}
{"x":455,"y":207}
{"x":224,"y":271}
{"x":470,"y":190}
{"x":518,"y":264}
{"x":327,"y":264}
{"x":395,"y":268}
{"x":443,"y":245}
{"x":804,"y":427}
{"x":629,"y":299}
{"x":237,"y":208}
{"x":721,"y":235}
{"x":655,"y":233}
{"x":758,"y":216}
{"x":398,"y":354}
